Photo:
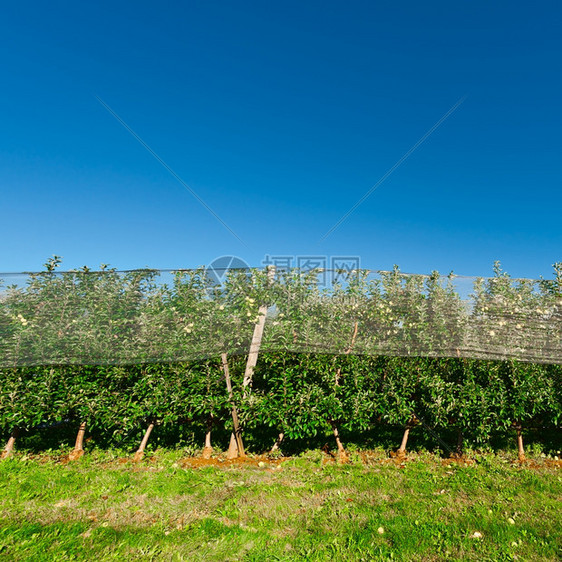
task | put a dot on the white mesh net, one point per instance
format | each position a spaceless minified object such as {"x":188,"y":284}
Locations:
{"x":144,"y":316}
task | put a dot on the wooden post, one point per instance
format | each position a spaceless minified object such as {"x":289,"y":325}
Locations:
{"x":236,"y":447}
{"x":257,"y":337}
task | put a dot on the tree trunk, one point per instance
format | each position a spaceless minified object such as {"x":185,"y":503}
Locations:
{"x":79,"y":445}
{"x":208,"y":449}
{"x":9,"y":449}
{"x":342,"y":455}
{"x":236,"y":446}
{"x":277,"y":443}
{"x":140,"y":452}
{"x":402,"y":450}
{"x":520,"y":448}
{"x":460,"y":441}
{"x":232,"y":448}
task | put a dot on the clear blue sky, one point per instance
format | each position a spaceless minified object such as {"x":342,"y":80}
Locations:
{"x":281,"y":116}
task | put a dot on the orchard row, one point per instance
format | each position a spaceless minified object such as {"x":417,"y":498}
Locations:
{"x":294,"y":396}
{"x":146,"y":316}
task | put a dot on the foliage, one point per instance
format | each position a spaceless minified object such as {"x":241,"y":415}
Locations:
{"x":107,"y":317}
{"x":121,"y":350}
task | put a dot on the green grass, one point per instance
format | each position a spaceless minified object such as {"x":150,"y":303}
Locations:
{"x":308,"y":509}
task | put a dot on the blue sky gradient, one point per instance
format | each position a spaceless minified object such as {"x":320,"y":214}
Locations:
{"x":280,"y":117}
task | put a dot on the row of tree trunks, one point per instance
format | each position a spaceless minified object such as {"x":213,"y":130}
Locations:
{"x":460,"y":440}
{"x":236,"y":444}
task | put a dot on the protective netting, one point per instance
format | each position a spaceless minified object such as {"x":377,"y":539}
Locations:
{"x":144,"y":316}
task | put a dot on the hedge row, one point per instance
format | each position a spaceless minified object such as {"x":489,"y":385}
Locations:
{"x":295,"y":395}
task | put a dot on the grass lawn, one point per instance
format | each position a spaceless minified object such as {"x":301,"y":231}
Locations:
{"x":303,"y":508}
